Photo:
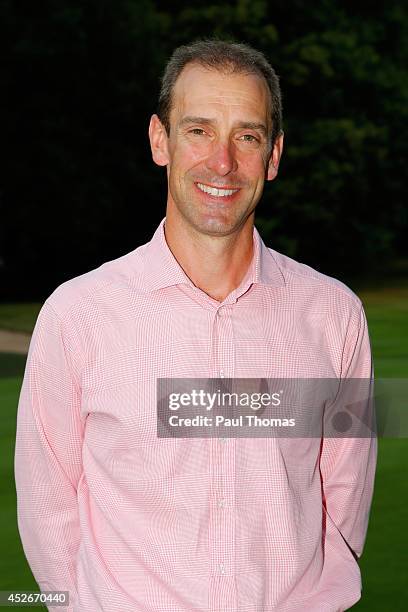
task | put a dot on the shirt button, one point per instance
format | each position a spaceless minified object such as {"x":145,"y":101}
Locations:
{"x":223,"y":440}
{"x":221,"y":503}
{"x":222,"y":374}
{"x":222,"y":569}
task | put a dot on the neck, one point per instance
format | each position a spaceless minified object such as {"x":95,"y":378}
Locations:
{"x":215,"y":264}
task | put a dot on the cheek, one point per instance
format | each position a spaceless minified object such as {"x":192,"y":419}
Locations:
{"x":187,"y":156}
{"x":253,"y":168}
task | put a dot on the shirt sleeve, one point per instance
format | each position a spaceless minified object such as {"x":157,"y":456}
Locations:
{"x":48,"y":451}
{"x":347,"y":464}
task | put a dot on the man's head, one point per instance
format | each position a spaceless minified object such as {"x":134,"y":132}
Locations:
{"x":218,"y":132}
{"x":225,"y":57}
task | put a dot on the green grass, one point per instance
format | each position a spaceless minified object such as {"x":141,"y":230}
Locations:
{"x":15,"y":573}
{"x":387,"y":316}
{"x":19,"y":317}
{"x":383,"y":565}
{"x":11,"y":365}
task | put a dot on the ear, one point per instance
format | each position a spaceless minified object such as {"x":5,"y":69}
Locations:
{"x":274,"y":159}
{"x":158,"y":141}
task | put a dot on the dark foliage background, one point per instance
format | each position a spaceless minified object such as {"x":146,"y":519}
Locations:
{"x":79,"y":81}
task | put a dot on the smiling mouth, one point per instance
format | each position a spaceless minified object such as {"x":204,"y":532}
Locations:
{"x":214,"y":191}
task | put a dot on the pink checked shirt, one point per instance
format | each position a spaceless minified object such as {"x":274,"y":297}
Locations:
{"x":129,"y":522}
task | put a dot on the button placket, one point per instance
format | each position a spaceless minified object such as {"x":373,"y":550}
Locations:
{"x":222,"y":528}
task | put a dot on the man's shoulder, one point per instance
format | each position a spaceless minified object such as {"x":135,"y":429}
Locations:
{"x":303,"y":278}
{"x":127,"y":270}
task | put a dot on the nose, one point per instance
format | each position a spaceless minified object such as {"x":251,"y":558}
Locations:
{"x":222,"y":159}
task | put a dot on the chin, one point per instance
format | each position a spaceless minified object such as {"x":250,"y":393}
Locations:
{"x":217,"y":227}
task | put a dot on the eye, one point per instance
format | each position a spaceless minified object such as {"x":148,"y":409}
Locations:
{"x":249,"y":138}
{"x":197,"y":131}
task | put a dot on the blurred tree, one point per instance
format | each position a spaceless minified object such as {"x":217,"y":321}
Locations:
{"x":78,"y":93}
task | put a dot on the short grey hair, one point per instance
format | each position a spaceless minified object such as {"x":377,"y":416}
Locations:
{"x":223,"y":56}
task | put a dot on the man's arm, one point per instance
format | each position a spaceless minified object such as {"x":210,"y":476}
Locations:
{"x":347,"y":465}
{"x":48,"y":463}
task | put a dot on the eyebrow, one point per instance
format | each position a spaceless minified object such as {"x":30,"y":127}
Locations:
{"x":245,"y":125}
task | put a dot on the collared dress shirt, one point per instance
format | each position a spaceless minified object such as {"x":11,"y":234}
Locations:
{"x":129,"y":522}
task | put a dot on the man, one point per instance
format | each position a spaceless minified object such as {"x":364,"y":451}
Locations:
{"x":130,"y":522}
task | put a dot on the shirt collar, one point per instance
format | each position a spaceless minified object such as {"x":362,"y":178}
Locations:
{"x":163,"y":270}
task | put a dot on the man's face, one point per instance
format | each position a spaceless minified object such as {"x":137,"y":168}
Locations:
{"x":218,"y":153}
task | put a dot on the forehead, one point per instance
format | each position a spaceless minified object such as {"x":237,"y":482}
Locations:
{"x":198,"y":88}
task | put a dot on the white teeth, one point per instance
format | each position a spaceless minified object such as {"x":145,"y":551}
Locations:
{"x":216,"y":192}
